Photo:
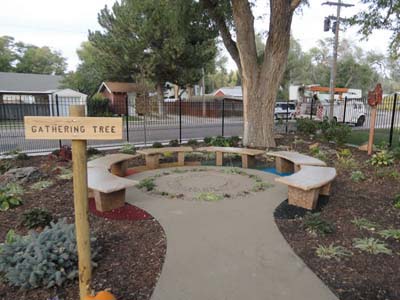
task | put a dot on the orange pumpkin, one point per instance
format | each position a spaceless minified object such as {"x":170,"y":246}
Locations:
{"x":89,"y":297}
{"x":104,"y":295}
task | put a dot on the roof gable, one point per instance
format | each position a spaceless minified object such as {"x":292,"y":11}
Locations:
{"x":119,"y":87}
{"x":23,"y":82}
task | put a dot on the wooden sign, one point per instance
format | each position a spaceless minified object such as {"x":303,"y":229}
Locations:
{"x":375,"y":96}
{"x":73,"y":128}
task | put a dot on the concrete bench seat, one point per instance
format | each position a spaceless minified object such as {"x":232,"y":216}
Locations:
{"x":116,"y":163}
{"x":248,"y":155}
{"x":152,"y":155}
{"x":306,"y":185}
{"x":290,"y":161}
{"x":108,"y":189}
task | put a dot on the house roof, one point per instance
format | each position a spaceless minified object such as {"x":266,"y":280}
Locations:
{"x":29,"y":83}
{"x":231,"y":92}
{"x":119,"y":87}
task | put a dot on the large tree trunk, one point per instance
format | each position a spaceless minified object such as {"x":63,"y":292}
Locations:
{"x":160,"y":98}
{"x":260,"y":82}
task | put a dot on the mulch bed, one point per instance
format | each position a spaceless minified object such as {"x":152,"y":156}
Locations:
{"x":362,"y":275}
{"x":132,"y":252}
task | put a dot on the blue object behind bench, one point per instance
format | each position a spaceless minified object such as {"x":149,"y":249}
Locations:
{"x":273,"y":171}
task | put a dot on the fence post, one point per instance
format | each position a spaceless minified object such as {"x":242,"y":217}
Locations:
{"x":287,"y":115}
{"x":127,"y":118}
{"x":180,"y":119}
{"x":223,"y":116}
{"x":58,"y":114}
{"x":344,"y":110}
{"x":311,"y":109}
{"x":392,"y":122}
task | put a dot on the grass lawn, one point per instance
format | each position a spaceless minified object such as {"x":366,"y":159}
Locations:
{"x":359,"y":137}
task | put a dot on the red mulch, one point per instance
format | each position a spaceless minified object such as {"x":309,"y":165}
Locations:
{"x":127,"y":212}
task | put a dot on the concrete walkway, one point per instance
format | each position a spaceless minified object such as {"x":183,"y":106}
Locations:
{"x":231,"y":249}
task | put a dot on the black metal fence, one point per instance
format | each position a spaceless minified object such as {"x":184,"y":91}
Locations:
{"x":357,"y":113}
{"x":146,"y":120}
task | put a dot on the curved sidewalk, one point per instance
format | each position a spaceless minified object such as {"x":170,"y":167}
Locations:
{"x":231,"y":249}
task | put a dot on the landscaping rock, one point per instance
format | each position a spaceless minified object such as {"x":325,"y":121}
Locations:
{"x":20,"y":175}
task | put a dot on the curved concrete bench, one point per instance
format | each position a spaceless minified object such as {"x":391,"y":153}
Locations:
{"x":248,"y":155}
{"x":116,"y":163}
{"x":109,"y":188}
{"x":289,"y":161}
{"x":152,"y":155}
{"x":307,"y":184}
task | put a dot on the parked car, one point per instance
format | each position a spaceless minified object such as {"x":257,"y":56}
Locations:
{"x":285,"y":110}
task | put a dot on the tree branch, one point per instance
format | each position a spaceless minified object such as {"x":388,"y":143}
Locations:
{"x":230,"y":44}
{"x":294,"y":4}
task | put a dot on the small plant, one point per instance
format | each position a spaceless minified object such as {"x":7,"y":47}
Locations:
{"x":157,"y":145}
{"x":362,"y":223}
{"x":345,"y":153}
{"x":168,"y":154}
{"x":233,"y":141}
{"x":147,"y":183}
{"x":64,"y":153}
{"x":371,"y":245}
{"x":5,"y":165}
{"x":396,"y":153}
{"x":207,"y":140}
{"x":332,"y":251}
{"x":93,"y":151}
{"x":347,"y":163}
{"x":22,"y":156}
{"x":173,"y":143}
{"x":396,"y":202}
{"x":44,"y":259}
{"x":306,"y":126}
{"x":339,"y":133}
{"x":10,"y":196}
{"x":193,"y":143}
{"x":36,"y":217}
{"x":314,"y":224}
{"x":382,"y":158}
{"x":211,"y":197}
{"x":11,"y":237}
{"x":42,"y":185}
{"x":219,"y":141}
{"x":261,"y":186}
{"x":390,"y":233}
{"x":357,"y":176}
{"x":128,"y":149}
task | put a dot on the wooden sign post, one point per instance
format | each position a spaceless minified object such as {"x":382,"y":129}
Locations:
{"x":79,"y":129}
{"x":374,"y":99}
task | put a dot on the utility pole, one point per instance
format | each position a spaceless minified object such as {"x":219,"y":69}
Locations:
{"x":335,"y":29}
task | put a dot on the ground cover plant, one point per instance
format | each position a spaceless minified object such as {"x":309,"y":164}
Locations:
{"x":10,"y":196}
{"x":364,"y":206}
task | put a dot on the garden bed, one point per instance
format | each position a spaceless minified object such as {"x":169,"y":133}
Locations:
{"x":131,"y":255}
{"x":357,"y":208}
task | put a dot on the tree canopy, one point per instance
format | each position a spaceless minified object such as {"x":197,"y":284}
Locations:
{"x":380,"y":14}
{"x":24,"y":58}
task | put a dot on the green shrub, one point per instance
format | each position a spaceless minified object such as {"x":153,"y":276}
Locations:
{"x":207,"y":140}
{"x":98,"y":106}
{"x":157,"y":145}
{"x":5,"y":165}
{"x":10,"y":196}
{"x":382,"y":158}
{"x":339,"y":133}
{"x":219,"y":141}
{"x":173,"y":143}
{"x":314,"y":224}
{"x":36,"y":217}
{"x":345,"y":153}
{"x":22,"y":156}
{"x":396,"y":153}
{"x":92,"y":151}
{"x":42,"y":185}
{"x":371,"y":245}
{"x":390,"y":233}
{"x":357,"y":176}
{"x":306,"y":126}
{"x":147,"y":183}
{"x":128,"y":149}
{"x":193,"y":143}
{"x":233,"y":141}
{"x":396,"y":202}
{"x":363,"y":223}
{"x":44,"y":259}
{"x":332,"y":251}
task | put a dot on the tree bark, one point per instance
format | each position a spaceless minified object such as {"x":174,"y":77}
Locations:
{"x":160,"y":99}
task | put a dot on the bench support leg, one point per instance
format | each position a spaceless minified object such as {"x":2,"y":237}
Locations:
{"x":248,"y":161}
{"x":153,"y":161}
{"x":284,"y":165}
{"x":297,"y":168}
{"x":109,"y":201}
{"x":305,"y":199}
{"x":325,"y":190}
{"x":181,"y":159}
{"x":219,"y":158}
{"x":119,"y":169}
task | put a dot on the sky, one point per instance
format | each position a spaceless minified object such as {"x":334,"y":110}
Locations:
{"x":63,"y":25}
